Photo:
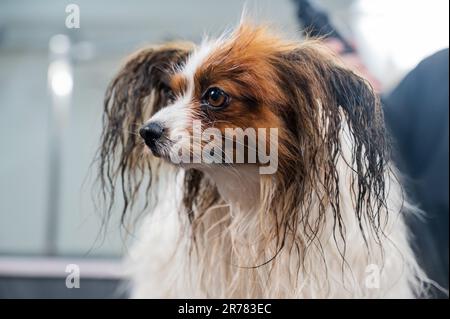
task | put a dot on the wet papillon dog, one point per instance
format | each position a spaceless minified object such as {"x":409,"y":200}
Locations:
{"x":325,"y":222}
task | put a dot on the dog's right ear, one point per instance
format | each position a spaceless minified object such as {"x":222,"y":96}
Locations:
{"x":139,"y":89}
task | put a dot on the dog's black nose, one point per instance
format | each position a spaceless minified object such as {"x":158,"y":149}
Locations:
{"x":151,"y":132}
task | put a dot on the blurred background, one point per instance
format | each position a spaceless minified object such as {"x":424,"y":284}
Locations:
{"x":52,"y":82}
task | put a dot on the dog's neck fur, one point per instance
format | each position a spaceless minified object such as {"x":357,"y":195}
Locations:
{"x":239,"y":186}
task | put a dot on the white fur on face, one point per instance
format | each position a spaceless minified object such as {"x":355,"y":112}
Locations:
{"x":177,"y":117}
{"x":196,"y":60}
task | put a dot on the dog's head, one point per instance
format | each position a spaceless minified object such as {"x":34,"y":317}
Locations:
{"x":249,"y":79}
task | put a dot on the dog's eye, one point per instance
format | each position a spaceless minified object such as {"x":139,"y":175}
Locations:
{"x":216,"y":98}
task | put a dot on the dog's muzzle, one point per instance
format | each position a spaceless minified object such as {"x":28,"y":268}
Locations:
{"x":152,"y":133}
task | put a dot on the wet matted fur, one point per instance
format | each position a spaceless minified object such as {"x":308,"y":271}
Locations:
{"x":320,"y":226}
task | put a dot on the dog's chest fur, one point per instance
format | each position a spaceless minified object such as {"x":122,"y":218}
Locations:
{"x":164,"y":264}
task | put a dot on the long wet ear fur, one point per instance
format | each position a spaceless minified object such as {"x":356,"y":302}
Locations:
{"x":321,"y":98}
{"x":137,"y":91}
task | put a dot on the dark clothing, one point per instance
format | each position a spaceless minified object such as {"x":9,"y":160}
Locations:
{"x":417,"y":114}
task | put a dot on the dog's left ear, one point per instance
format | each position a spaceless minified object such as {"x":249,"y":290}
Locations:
{"x":371,"y":151}
{"x":330,"y":98}
{"x":360,"y":103}
{"x":138,"y":90}
{"x":312,"y":76}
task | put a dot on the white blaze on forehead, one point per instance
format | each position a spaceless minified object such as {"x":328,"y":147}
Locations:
{"x":196,"y":59}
